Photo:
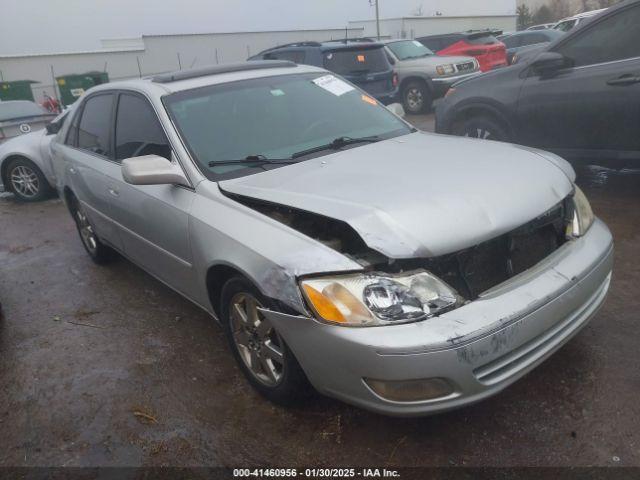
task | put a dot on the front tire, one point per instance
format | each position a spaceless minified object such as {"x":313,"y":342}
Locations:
{"x":484,"y":128}
{"x":260,"y":351}
{"x":26,"y":181}
{"x":416,"y":98}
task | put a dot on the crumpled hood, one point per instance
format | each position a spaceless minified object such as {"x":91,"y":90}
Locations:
{"x":418,"y":195}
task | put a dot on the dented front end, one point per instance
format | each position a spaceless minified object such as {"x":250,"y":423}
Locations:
{"x":466,"y":354}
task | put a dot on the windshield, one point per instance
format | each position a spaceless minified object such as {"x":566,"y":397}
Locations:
{"x":20,"y":109}
{"x":409,"y":49}
{"x":356,"y":60}
{"x":228,"y":127}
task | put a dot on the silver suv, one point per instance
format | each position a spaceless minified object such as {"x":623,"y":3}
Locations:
{"x":404,"y":272}
{"x":424,"y":76}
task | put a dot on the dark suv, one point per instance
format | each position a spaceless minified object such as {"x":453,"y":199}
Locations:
{"x":578,"y":96}
{"x":362,"y":62}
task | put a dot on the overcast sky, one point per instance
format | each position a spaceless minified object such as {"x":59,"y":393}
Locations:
{"x":40,"y":26}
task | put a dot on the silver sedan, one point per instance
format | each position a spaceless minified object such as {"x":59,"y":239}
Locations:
{"x":403,"y":272}
{"x":25,"y":163}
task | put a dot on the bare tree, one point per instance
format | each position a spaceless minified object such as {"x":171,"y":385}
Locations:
{"x":524,"y":16}
{"x":543,"y":15}
{"x":560,"y":8}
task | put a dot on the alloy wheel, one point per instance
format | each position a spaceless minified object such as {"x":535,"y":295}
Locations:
{"x":259,"y":345}
{"x":87,"y":234}
{"x":414,"y":99}
{"x":24,"y":181}
{"x":481,"y":133}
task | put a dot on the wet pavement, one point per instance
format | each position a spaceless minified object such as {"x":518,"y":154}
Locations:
{"x":106,"y":366}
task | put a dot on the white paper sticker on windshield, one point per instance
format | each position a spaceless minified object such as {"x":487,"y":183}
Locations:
{"x":333,"y":85}
{"x":417,"y":43}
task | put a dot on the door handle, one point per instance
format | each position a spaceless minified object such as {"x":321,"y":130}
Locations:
{"x":72,"y":170}
{"x":624,"y":80}
{"x":114,"y":192}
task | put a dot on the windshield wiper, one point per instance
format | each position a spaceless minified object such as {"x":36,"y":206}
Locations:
{"x":257,"y":160}
{"x":336,"y":144}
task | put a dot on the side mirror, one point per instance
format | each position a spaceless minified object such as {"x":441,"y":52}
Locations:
{"x":396,"y":109}
{"x":53,"y":128}
{"x":152,"y":170}
{"x":549,"y":62}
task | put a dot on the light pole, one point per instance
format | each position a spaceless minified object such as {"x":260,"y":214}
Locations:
{"x":371,"y":2}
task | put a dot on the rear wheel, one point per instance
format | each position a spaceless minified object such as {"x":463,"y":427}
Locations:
{"x":416,"y":98}
{"x":262,"y":354}
{"x":98,"y":251}
{"x":26,"y":180}
{"x":482,"y":127}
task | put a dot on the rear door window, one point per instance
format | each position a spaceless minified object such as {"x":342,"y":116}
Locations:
{"x":357,"y":60}
{"x":95,"y":123}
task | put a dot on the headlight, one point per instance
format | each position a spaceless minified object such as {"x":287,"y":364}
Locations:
{"x":582,"y":215}
{"x":445,"y":69}
{"x":363,"y":300}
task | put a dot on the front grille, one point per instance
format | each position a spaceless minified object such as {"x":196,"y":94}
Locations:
{"x":474,"y":270}
{"x":466,"y":67}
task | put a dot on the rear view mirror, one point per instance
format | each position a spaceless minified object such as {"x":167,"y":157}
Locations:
{"x":396,"y":109}
{"x":549,"y":62}
{"x":152,"y":170}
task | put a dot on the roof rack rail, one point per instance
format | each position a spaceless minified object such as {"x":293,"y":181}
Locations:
{"x":294,"y":44}
{"x":219,"y":69}
{"x":356,"y":40}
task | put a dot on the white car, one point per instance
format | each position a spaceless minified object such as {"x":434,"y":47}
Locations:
{"x":570,"y":23}
{"x":25,"y":163}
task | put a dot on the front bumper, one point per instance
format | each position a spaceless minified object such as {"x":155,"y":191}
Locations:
{"x":442,"y":85}
{"x":479,"y":348}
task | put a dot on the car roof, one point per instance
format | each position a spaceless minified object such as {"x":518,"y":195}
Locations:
{"x":590,"y":13}
{"x":346,"y":44}
{"x":202,"y":77}
{"x":550,"y":33}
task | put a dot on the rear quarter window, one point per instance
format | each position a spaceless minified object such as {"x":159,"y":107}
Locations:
{"x":356,"y":61}
{"x":296,"y":56}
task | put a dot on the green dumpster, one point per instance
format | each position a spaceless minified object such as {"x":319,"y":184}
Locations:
{"x":73,"y":86}
{"x":16,"y":90}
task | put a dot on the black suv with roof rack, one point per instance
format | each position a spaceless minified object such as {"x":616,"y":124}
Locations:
{"x":362,"y":61}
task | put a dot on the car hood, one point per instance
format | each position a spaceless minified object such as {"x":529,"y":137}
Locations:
{"x":419,"y":195}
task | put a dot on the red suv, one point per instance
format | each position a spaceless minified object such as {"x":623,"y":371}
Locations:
{"x":484,"y":46}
